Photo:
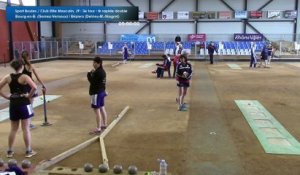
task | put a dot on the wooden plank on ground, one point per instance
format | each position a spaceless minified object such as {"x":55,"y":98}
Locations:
{"x":47,"y":163}
{"x":103,"y":152}
{"x":114,"y":122}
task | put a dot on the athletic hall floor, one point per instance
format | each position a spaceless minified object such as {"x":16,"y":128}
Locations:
{"x":211,"y":138}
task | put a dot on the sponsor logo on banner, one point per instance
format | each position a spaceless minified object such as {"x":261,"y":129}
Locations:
{"x":197,"y":37}
{"x":274,"y":14}
{"x":141,"y":15}
{"x":225,"y":15}
{"x":211,"y":15}
{"x":152,"y":15}
{"x":138,"y":38}
{"x":204,"y":15}
{"x":256,"y":14}
{"x":290,"y":14}
{"x":167,"y":15}
{"x":240,"y":14}
{"x":248,"y":37}
{"x":183,"y":15}
{"x":198,"y":15}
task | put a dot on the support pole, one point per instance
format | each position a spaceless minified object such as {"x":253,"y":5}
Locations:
{"x":196,"y":20}
{"x":245,"y":20}
{"x":10,"y":37}
{"x":295,"y":22}
{"x":104,"y":25}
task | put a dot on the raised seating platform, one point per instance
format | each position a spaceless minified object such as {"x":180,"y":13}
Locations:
{"x":155,"y":57}
{"x":145,"y":48}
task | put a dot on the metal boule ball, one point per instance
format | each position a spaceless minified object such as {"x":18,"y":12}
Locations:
{"x":88,"y":167}
{"x":118,"y":169}
{"x":103,"y":168}
{"x":132,"y":170}
{"x":12,"y":163}
{"x":26,"y":164}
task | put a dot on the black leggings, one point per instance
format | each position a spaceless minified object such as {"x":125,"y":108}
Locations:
{"x":211,"y":58}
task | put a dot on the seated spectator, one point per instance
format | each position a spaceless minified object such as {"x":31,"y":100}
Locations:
{"x":165,"y":66}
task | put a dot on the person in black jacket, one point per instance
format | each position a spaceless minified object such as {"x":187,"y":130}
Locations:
{"x":97,"y":79}
{"x":211,"y":50}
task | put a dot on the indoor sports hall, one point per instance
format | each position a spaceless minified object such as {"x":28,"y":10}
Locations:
{"x":236,"y":120}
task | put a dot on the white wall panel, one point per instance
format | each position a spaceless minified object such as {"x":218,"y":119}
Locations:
{"x":187,"y":5}
{"x":256,"y":5}
{"x":268,"y":27}
{"x":280,"y":5}
{"x":115,"y":28}
{"x":220,"y":28}
{"x":217,"y":31}
{"x":210,"y":28}
{"x":283,"y":32}
{"x":217,"y":5}
{"x":70,"y":29}
{"x":173,"y":28}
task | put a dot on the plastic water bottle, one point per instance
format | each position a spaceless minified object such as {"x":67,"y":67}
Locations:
{"x":163,"y":167}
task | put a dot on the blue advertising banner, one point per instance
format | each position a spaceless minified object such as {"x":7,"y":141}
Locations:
{"x":71,"y":13}
{"x":138,"y":38}
{"x":241,"y":14}
{"x":248,"y":37}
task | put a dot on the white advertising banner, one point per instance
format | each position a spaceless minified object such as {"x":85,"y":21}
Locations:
{"x":183,"y":15}
{"x":141,"y":15}
{"x":274,"y":14}
{"x":167,"y":15}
